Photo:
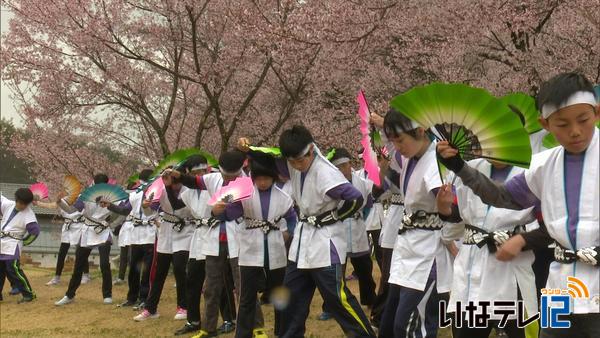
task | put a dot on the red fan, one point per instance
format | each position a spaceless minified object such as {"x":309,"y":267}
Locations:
{"x":240,"y":189}
{"x":39,"y":190}
{"x":155,"y":190}
{"x":369,"y":155}
{"x":112,"y":181}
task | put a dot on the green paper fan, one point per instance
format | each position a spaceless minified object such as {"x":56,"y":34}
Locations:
{"x":267,"y":150}
{"x":330,"y":154}
{"x":525,"y":105}
{"x":470,"y":119}
{"x":133,"y":178}
{"x":178,"y":157}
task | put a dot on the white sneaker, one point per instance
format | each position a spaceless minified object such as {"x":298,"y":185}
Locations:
{"x":86,"y":278}
{"x":108,"y":300}
{"x":55,"y":280}
{"x":181,"y":314}
{"x":145,"y":315}
{"x":64,"y":301}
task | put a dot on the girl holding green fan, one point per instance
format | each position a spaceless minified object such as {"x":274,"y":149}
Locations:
{"x":565,"y":182}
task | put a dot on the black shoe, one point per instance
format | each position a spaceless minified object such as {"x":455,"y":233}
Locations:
{"x":226,"y":327}
{"x":139,"y":307}
{"x":126,"y":304}
{"x":187,"y":328}
{"x":26,"y":299}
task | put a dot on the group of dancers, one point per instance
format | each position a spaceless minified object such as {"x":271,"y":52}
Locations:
{"x":471,"y":239}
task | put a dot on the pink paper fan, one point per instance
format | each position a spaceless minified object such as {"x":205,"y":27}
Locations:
{"x":40,"y":190}
{"x":240,"y":189}
{"x":369,"y":156}
{"x":112,"y":181}
{"x":155,"y":189}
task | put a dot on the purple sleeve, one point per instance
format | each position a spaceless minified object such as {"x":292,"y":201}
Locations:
{"x":79,"y":205}
{"x":291,"y":219}
{"x":520,"y":192}
{"x":155,"y":205}
{"x":282,"y":167}
{"x":33,"y":228}
{"x":123,"y":208}
{"x":344,"y":192}
{"x":369,"y":203}
{"x":234,"y":211}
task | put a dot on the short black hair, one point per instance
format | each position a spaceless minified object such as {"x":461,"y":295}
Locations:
{"x":558,"y":89}
{"x":294,"y":140}
{"x":100,"y":178}
{"x":396,"y":123}
{"x":340,"y":153}
{"x":145,"y":174}
{"x":232,"y":161}
{"x":264,"y":169}
{"x":24,"y":195}
{"x":193,"y":161}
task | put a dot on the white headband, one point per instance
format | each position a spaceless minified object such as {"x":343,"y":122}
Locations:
{"x":225,"y":172}
{"x":575,"y":98}
{"x":340,"y":160}
{"x":303,"y":152}
{"x":200,"y":166}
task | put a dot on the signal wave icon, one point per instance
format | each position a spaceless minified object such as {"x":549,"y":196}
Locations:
{"x":576,"y":288}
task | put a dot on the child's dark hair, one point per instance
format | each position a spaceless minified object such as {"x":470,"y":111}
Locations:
{"x":395,"y":123}
{"x":293,"y":141}
{"x":340,"y":153}
{"x":558,"y":89}
{"x":193,"y":161}
{"x":24,"y":195}
{"x":261,"y":168}
{"x":100,"y":178}
{"x":145,"y":174}
{"x":232,"y":161}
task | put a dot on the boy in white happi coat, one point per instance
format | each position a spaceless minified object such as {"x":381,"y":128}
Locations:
{"x":319,"y":247}
{"x":421,"y":266}
{"x":141,"y":236}
{"x":359,"y":250}
{"x":19,"y":227}
{"x":98,"y":219}
{"x":262,"y":233}
{"x":565,"y":182}
{"x":174,"y":236}
{"x":478,"y":275}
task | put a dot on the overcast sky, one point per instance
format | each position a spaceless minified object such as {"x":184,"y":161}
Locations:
{"x":7,"y":109}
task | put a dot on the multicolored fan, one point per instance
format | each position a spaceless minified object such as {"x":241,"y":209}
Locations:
{"x":112,"y":181}
{"x":104,"y":191}
{"x":155,"y":190}
{"x":470,"y":119}
{"x":240,"y":189}
{"x":369,"y":155}
{"x":72,"y":188}
{"x":525,"y":105}
{"x":274,"y":151}
{"x":549,"y":141}
{"x":178,"y":157}
{"x":39,"y":190}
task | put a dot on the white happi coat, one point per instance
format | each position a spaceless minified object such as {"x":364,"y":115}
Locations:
{"x":478,"y":275}
{"x":17,"y":226}
{"x":416,"y":250}
{"x":174,"y":241}
{"x":196,"y":200}
{"x":252,"y":241}
{"x":358,"y":241}
{"x":310,"y":247}
{"x":141,"y":234}
{"x":71,"y":233}
{"x":210,"y":246}
{"x":545,"y":179}
{"x":537,"y":141}
{"x":124,"y":236}
{"x":93,"y":211}
{"x":375,"y":217}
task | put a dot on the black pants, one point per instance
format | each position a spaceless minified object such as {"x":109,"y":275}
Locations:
{"x":511,"y":329}
{"x":363,"y":268}
{"x":138,"y":278}
{"x":12,"y":271}
{"x":252,"y":280}
{"x":382,"y":293}
{"x":163,"y":262}
{"x":81,"y":259}
{"x":338,"y":301}
{"x":62,"y":255}
{"x":374,"y":234}
{"x":196,"y":274}
{"x":582,"y":326}
{"x":123,"y":261}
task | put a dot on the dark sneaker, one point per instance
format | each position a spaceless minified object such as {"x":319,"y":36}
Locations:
{"x":14,"y":291}
{"x":226,"y":327}
{"x":139,"y":307}
{"x":26,"y":299}
{"x":126,"y":303}
{"x":187,"y":328}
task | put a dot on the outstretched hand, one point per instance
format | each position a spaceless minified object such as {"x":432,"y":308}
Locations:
{"x":449,"y":156}
{"x":243,"y":144}
{"x":376,"y":120}
{"x":444,"y":199}
{"x":445,"y":150}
